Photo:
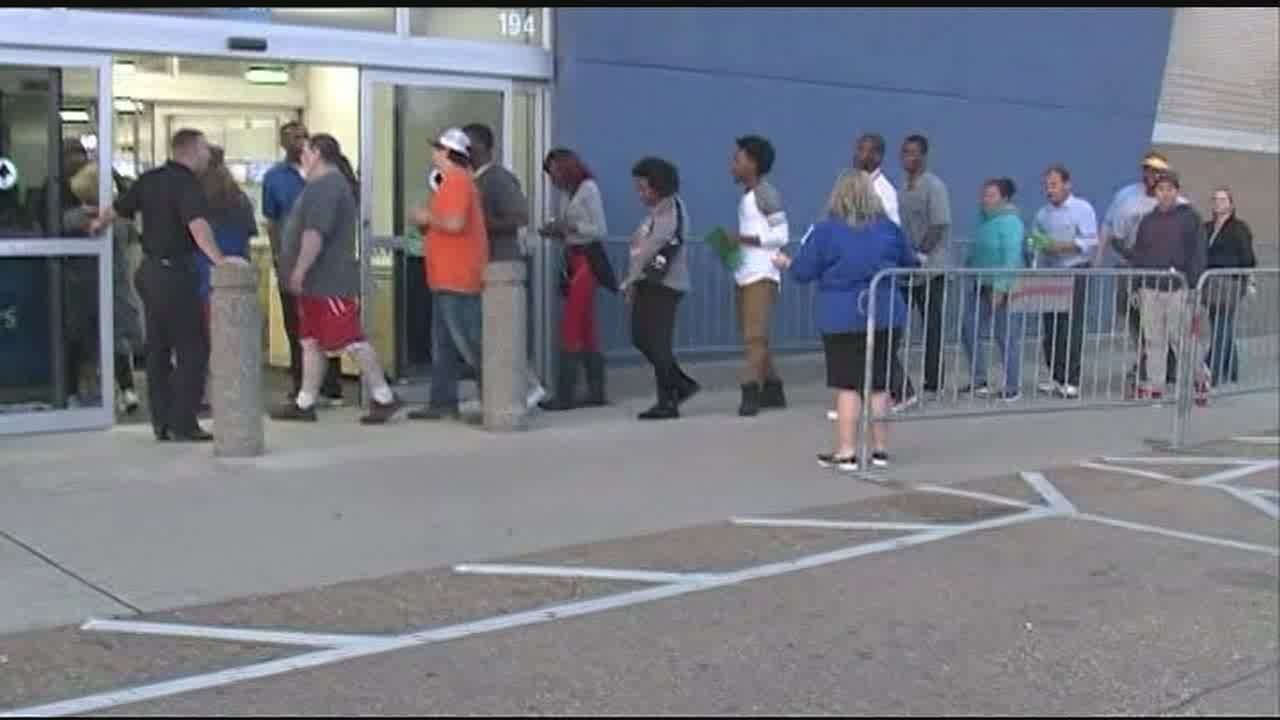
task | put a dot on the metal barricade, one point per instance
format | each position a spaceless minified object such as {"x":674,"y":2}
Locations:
{"x":1234,"y":341}
{"x":1066,"y":338}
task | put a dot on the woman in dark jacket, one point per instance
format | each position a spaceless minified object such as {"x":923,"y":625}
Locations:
{"x":843,"y":255}
{"x":581,"y":227}
{"x":1230,"y":246}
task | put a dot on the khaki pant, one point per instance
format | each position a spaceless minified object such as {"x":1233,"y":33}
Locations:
{"x":1164,"y":315}
{"x":755,"y":310}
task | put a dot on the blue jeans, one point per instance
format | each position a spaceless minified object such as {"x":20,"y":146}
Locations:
{"x":455,"y":336}
{"x":1005,"y":326}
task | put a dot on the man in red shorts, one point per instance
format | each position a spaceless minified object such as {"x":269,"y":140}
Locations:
{"x":319,"y":254}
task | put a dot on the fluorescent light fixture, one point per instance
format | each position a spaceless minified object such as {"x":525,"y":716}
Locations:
{"x":127,"y":106}
{"x":267,"y":75}
{"x":74,"y":115}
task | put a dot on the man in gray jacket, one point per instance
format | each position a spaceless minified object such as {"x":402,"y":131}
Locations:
{"x":506,"y":211}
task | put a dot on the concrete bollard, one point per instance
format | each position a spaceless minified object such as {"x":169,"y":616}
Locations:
{"x":503,"y":391}
{"x":236,"y":362}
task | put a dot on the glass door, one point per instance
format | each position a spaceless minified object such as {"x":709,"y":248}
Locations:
{"x":401,"y":116}
{"x":56,"y":324}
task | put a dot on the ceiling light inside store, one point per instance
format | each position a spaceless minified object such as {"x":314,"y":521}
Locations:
{"x":74,"y":116}
{"x":125,"y":106}
{"x":267,"y":75}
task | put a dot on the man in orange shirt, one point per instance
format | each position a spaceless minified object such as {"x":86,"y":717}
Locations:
{"x":455,"y":253}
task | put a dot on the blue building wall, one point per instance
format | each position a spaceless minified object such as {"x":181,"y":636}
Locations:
{"x":997,"y":92}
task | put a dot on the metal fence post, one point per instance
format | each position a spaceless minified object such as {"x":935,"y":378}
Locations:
{"x":236,"y":361}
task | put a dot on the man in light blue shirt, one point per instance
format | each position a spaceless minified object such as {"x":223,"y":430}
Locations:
{"x":1068,"y":229}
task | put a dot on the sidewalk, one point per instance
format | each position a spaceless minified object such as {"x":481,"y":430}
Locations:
{"x":112,"y":523}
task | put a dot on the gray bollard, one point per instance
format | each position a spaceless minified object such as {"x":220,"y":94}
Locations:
{"x":503,"y":390}
{"x":236,"y":362}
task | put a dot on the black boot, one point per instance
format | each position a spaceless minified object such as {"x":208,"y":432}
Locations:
{"x":667,"y":407}
{"x":565,"y":381}
{"x":750,"y":406}
{"x":772,"y":396}
{"x":593,"y":364}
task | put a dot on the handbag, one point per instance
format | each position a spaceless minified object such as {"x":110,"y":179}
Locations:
{"x":660,"y":265}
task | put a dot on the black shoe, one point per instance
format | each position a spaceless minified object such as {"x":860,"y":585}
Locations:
{"x":880,"y":458}
{"x":750,"y":406}
{"x":556,"y":404}
{"x":771,"y":396}
{"x":432,"y":413}
{"x":162,"y":434}
{"x":686,"y":390}
{"x":198,"y":435}
{"x":380,"y":413}
{"x":291,"y":412}
{"x":661,"y":411}
{"x":832,"y":462}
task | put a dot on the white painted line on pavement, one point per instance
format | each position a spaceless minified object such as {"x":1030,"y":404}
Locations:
{"x":229,"y":634}
{"x":803,"y":523}
{"x":996,"y":499}
{"x":206,"y":681}
{"x":898,"y":543}
{"x":1264,"y":549}
{"x":1264,"y":491}
{"x":1228,"y":475}
{"x":1132,"y":471}
{"x":584,"y":573}
{"x":1254,"y":499}
{"x":1257,"y":439}
{"x":1181,"y":460}
{"x":1052,"y":496}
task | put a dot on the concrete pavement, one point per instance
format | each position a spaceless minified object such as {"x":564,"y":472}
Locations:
{"x":349,"y":530}
{"x":1145,"y":588}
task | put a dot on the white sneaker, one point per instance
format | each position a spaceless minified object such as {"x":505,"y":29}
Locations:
{"x":535,"y":396}
{"x":905,"y":405}
{"x":129,"y":402}
{"x":1068,"y":391}
{"x":832,"y":416}
{"x":1049,"y":387}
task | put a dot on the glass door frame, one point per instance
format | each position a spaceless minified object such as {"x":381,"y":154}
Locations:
{"x":100,"y":247}
{"x":369,"y":242}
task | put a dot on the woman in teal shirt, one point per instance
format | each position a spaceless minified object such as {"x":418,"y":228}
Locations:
{"x":997,"y":245}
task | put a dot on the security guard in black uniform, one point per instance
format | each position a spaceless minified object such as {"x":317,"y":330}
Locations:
{"x":175,"y":226}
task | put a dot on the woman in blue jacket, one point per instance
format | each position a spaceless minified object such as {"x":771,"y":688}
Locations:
{"x":843,"y":254}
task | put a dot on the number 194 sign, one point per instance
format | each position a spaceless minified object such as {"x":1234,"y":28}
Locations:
{"x":517,"y":23}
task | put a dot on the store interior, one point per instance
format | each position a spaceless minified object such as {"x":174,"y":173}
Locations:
{"x":241,"y":107}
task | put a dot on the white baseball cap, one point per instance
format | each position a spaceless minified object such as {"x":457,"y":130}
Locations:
{"x":455,"y":140}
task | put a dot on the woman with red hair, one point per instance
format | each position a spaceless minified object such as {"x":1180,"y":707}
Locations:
{"x":581,"y":227}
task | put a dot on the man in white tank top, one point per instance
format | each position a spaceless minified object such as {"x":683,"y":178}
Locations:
{"x":762,"y":232}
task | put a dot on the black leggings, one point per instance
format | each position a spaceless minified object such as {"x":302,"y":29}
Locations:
{"x":653,"y":323}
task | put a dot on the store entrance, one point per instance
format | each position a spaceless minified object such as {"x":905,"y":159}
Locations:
{"x":385,"y":123}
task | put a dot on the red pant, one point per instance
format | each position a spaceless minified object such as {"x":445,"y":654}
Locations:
{"x":578,"y":325}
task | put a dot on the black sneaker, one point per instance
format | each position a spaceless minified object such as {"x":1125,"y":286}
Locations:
{"x":291,"y":412}
{"x":380,"y":413}
{"x":843,"y":464}
{"x":433,"y":413}
{"x":661,"y":411}
{"x":880,"y":458}
{"x":687,"y":390}
{"x":772,"y":396}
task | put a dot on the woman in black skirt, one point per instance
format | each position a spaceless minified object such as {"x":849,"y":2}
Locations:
{"x":843,"y":254}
